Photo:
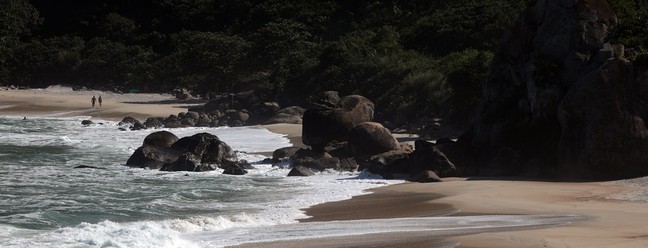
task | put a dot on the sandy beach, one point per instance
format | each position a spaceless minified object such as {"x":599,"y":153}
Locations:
{"x":617,"y":212}
{"x":57,"y":101}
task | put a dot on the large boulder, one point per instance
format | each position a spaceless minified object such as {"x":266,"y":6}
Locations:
{"x":207,"y":147}
{"x":161,"y":138}
{"x":314,"y":160}
{"x":412,"y":164}
{"x":370,"y":138}
{"x":200,"y":152}
{"x":539,"y":68}
{"x":321,"y":126}
{"x":292,"y":115}
{"x":152,"y":157}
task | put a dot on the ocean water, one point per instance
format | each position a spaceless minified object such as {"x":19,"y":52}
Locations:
{"x":45,"y":202}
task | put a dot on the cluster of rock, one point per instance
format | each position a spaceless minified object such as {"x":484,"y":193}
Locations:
{"x":338,"y":130}
{"x":341,"y":136}
{"x":222,"y":110}
{"x":560,"y":100}
{"x":163,"y":150}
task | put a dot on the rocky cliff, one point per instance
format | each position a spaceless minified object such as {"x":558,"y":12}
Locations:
{"x":560,"y":100}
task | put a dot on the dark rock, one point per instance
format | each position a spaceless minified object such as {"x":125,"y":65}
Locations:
{"x":232,"y":168}
{"x":182,"y":94}
{"x":192,"y":114}
{"x":300,"y":171}
{"x":173,"y":124}
{"x":370,"y":138}
{"x":86,"y":122}
{"x":555,"y":57}
{"x":88,"y":167}
{"x":292,"y":115}
{"x":242,"y":116}
{"x":188,"y":122}
{"x":283,"y":154}
{"x":154,"y":122}
{"x":403,"y":161}
{"x":348,"y":164}
{"x":318,"y":161}
{"x":432,"y":159}
{"x":427,"y":176}
{"x":152,"y":157}
{"x":284,"y":118}
{"x":463,"y":157}
{"x":131,"y":123}
{"x":329,"y":99}
{"x":292,"y":110}
{"x":185,"y":162}
{"x":160,"y":138}
{"x":603,"y":120}
{"x":443,"y":141}
{"x":323,"y":126}
{"x":377,"y":164}
{"x":200,"y":152}
{"x":246,"y":165}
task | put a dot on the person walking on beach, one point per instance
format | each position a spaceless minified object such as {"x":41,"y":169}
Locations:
{"x":99,"y":101}
{"x":93,"y":100}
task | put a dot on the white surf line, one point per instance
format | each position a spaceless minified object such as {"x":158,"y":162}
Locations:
{"x":7,"y":106}
{"x":435,"y":226}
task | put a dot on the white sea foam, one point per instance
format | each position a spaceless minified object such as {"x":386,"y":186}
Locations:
{"x":433,"y":226}
{"x":267,"y":197}
{"x":127,"y":207}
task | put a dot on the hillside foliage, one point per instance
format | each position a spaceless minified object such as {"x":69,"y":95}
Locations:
{"x":413,"y":58}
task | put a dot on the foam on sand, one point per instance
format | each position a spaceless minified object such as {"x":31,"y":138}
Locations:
{"x":432,"y":226}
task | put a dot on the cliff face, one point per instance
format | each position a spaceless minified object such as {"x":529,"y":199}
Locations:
{"x":560,"y":100}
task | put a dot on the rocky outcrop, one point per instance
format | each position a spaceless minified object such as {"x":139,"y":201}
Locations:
{"x":223,"y":110}
{"x":200,"y":152}
{"x":292,"y":115}
{"x":321,"y":126}
{"x":560,"y":101}
{"x":370,"y":138}
{"x":152,"y":157}
{"x":603,"y":120}
{"x":425,"y":164}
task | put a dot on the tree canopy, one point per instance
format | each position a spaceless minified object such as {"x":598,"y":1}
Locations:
{"x":412,"y":57}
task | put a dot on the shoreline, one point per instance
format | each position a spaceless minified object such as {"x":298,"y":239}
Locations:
{"x":617,"y":209}
{"x":56,"y":101}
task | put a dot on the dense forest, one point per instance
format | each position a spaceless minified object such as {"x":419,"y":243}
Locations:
{"x":412,"y":57}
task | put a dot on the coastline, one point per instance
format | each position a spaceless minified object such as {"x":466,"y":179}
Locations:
{"x":56,"y":101}
{"x":610,"y":222}
{"x":617,"y":210}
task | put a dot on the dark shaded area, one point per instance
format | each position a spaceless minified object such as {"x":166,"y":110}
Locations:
{"x":407,"y":56}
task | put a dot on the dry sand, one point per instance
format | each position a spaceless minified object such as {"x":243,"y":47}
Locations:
{"x":618,"y":210}
{"x":56,"y":101}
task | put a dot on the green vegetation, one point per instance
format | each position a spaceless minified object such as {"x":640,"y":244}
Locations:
{"x":633,"y":20}
{"x":413,"y":58}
